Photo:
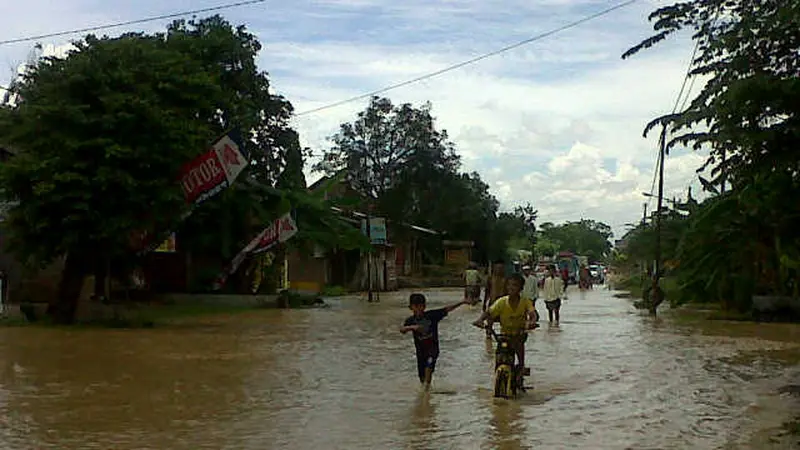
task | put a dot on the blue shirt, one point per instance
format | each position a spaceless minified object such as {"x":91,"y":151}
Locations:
{"x":427,"y":338}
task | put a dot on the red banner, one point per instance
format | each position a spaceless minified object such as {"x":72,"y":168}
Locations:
{"x":203,"y":177}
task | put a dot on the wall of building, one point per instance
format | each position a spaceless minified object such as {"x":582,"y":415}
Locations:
{"x":308,"y":271}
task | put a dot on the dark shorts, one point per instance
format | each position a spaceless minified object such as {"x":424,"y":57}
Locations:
{"x":555,"y":304}
{"x":426,"y":360}
{"x":472,"y":292}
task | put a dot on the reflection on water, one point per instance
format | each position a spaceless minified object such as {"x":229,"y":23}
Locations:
{"x":344,"y":378}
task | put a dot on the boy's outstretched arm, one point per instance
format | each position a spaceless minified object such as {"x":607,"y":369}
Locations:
{"x":456,"y":305}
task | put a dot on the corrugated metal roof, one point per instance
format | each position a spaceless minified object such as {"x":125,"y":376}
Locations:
{"x":413,"y":227}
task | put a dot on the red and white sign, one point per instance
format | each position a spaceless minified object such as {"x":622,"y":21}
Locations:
{"x":202,"y":178}
{"x":280,"y":230}
{"x":231,"y":159}
{"x":213,"y":171}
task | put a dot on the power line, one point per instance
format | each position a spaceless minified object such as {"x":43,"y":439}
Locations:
{"x":686,"y":97}
{"x":675,"y":109}
{"x":132,"y":22}
{"x":471,"y":61}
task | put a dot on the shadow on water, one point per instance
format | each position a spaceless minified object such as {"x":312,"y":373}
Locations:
{"x":508,"y":426}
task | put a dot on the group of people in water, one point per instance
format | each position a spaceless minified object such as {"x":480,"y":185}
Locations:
{"x":509,"y":300}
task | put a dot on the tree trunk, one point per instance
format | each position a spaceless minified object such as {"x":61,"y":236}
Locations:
{"x":62,"y":309}
{"x":101,"y":273}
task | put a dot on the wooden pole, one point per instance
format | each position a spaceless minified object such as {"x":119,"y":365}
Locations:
{"x":655,"y":293}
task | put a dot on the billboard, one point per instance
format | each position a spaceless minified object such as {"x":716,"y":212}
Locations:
{"x":377,"y":229}
{"x":213,"y":171}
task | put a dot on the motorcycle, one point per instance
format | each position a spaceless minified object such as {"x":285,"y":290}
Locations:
{"x":508,"y":376}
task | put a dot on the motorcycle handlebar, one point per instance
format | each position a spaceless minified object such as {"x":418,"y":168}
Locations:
{"x":495,"y":335}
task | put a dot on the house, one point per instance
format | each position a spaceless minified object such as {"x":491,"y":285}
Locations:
{"x":396,"y":251}
{"x":458,"y":253}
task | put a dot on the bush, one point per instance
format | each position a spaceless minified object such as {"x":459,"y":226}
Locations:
{"x":333,"y":291}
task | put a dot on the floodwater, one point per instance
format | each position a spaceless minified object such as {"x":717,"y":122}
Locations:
{"x":344,"y":378}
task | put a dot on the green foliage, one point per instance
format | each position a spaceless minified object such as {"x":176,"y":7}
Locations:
{"x":585,"y":237}
{"x":747,"y":112}
{"x":247,"y":102}
{"x":513,"y":231}
{"x":743,"y":241}
{"x":392,"y":154}
{"x":407,"y":170}
{"x":101,"y":135}
{"x":333,"y":291}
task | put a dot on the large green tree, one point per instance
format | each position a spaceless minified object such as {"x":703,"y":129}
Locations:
{"x":394,"y":156}
{"x":102,"y":133}
{"x":747,"y":111}
{"x":741,"y":241}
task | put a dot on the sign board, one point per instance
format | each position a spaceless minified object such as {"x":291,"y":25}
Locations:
{"x":280,"y":230}
{"x":377,"y":227}
{"x":213,"y":171}
{"x":202,"y":178}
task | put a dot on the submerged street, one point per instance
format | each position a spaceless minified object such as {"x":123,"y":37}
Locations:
{"x":345,"y":378}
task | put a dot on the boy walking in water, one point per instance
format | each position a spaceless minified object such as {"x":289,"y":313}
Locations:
{"x":495,"y":284}
{"x":425,"y":326}
{"x":553,"y":291}
{"x":472,"y":284}
{"x":531,"y":289}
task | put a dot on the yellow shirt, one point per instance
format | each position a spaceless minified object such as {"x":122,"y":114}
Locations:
{"x":512,"y":320}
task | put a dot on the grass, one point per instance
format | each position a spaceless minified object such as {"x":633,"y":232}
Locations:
{"x":333,"y":291}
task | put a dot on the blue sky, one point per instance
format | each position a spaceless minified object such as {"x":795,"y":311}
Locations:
{"x":557,"y":123}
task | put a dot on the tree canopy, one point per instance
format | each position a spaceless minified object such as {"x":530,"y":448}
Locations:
{"x":585,"y":237}
{"x":407,"y":170}
{"x":100,"y":136}
{"x":739,"y":242}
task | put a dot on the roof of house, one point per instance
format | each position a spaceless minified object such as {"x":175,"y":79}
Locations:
{"x":361,"y":215}
{"x":315,"y":185}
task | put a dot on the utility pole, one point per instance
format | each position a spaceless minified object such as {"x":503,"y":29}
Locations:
{"x":367,"y":188}
{"x":724,"y":170}
{"x":655,"y":293}
{"x":644,"y":215}
{"x":369,"y":257}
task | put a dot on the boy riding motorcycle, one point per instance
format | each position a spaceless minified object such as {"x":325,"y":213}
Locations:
{"x":515,"y":313}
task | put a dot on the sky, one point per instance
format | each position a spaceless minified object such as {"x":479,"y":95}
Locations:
{"x":557,"y":123}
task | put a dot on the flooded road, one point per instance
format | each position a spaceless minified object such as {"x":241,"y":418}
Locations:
{"x":344,"y":378}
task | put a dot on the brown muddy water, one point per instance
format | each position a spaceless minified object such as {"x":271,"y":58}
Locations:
{"x":344,"y":378}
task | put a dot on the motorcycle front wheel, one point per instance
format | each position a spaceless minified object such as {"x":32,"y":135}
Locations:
{"x":502,"y":382}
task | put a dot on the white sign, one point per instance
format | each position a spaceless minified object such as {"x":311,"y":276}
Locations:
{"x":230,"y":157}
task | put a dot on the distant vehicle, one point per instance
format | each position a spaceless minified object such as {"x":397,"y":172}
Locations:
{"x":597,"y":273}
{"x":569,"y":261}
